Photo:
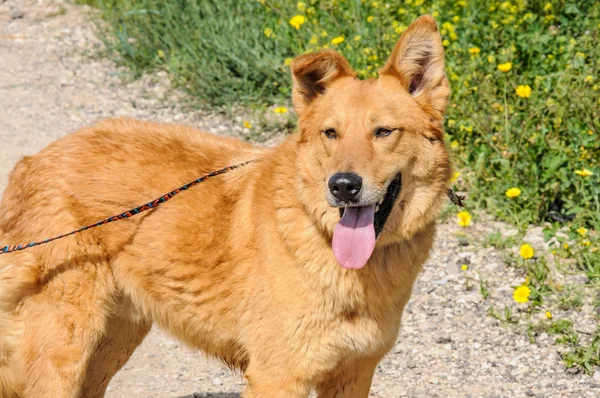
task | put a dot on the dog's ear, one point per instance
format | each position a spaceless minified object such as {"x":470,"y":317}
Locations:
{"x":418,"y":61}
{"x":311,"y":73}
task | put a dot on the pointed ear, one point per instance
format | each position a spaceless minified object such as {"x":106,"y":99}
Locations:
{"x":418,"y":61}
{"x":313,"y":72}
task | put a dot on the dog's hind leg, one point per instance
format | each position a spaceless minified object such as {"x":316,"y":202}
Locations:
{"x":124,"y":333}
{"x":64,"y":324}
{"x":351,"y":379}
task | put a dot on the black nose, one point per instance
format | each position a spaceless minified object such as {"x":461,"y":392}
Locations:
{"x":345,"y":186}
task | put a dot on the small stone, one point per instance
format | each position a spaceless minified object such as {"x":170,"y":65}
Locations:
{"x":597,"y":376}
{"x":413,"y":364}
{"x":443,"y":340}
{"x":217,"y":382}
{"x":16,"y":13}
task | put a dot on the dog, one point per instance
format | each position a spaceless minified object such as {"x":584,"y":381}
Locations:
{"x":293,"y":269}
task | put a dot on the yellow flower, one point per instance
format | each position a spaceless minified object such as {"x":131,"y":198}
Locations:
{"x":454,"y":144}
{"x":287,"y":61}
{"x":513,"y":192}
{"x":526,"y":251}
{"x":446,"y":43}
{"x":521,"y":294}
{"x":474,"y":50}
{"x":586,"y":242}
{"x":566,"y":246}
{"x":584,"y":173}
{"x":280,"y":110}
{"x":297,"y":20}
{"x":160,"y":53}
{"x":464,"y":218}
{"x":313,"y":39}
{"x":455,"y":176}
{"x":491,"y":59}
{"x":548,"y":315}
{"x":505,"y":67}
{"x":370,"y":18}
{"x":589,"y":78}
{"x":247,"y":124}
{"x":464,"y":267}
{"x":269,"y":33}
{"x":582,"y":231}
{"x":323,"y":33}
{"x":375,"y":4}
{"x":301,"y":6}
{"x":337,"y":40}
{"x":357,"y":37}
{"x":523,"y":91}
{"x":451,"y":122}
{"x":548,"y":7}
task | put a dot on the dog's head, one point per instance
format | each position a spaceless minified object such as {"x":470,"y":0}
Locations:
{"x":371,"y":154}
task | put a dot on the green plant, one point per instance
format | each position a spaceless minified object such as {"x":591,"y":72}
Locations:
{"x":535,"y":138}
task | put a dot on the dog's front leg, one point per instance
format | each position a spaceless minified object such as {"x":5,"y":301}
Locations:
{"x":351,"y":379}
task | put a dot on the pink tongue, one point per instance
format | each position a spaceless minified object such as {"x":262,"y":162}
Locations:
{"x":354,"y":237}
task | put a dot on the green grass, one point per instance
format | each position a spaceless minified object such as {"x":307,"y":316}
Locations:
{"x":230,"y":52}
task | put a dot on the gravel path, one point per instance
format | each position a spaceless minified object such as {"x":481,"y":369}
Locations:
{"x":448,"y":346}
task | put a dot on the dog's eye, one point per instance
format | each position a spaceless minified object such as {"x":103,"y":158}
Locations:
{"x":383,"y":132}
{"x":330,"y":133}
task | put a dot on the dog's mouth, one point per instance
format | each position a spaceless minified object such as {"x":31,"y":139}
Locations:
{"x":359,"y":227}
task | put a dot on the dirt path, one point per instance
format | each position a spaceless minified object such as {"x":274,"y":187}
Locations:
{"x":448,"y":347}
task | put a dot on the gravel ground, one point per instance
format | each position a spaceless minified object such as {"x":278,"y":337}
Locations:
{"x":448,"y":346}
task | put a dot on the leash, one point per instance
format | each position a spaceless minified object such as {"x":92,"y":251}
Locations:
{"x":130,"y":213}
{"x":457,"y":200}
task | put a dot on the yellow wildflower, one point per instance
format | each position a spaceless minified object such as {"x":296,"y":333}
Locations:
{"x":491,"y":59}
{"x":582,"y":231}
{"x":357,"y":37}
{"x":548,"y":315}
{"x":297,"y":20}
{"x":446,"y":43}
{"x":464,"y":218}
{"x":247,"y":124}
{"x":566,"y":246}
{"x":526,"y":251}
{"x":301,"y":6}
{"x":269,"y":33}
{"x":370,"y":18}
{"x":280,"y":109}
{"x":454,"y":176}
{"x":451,"y":122}
{"x":160,"y":53}
{"x":323,"y":33}
{"x":464,"y":267}
{"x":589,"y":78}
{"x":513,"y":192}
{"x":474,"y":50}
{"x":337,"y":40}
{"x":313,"y":39}
{"x":548,"y":7}
{"x":375,"y":4}
{"x":287,"y":61}
{"x":521,"y":294}
{"x":454,"y":144}
{"x":505,"y":67}
{"x":584,"y":173}
{"x":523,"y":91}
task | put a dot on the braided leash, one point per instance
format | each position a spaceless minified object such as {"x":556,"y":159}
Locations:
{"x":130,"y":213}
{"x":457,"y":200}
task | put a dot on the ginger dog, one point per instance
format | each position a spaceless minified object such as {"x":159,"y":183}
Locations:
{"x":294,"y":269}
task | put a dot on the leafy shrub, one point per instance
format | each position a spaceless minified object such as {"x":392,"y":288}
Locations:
{"x":524,"y":74}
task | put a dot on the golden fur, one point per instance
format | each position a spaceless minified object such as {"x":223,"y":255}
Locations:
{"x":240,"y":266}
